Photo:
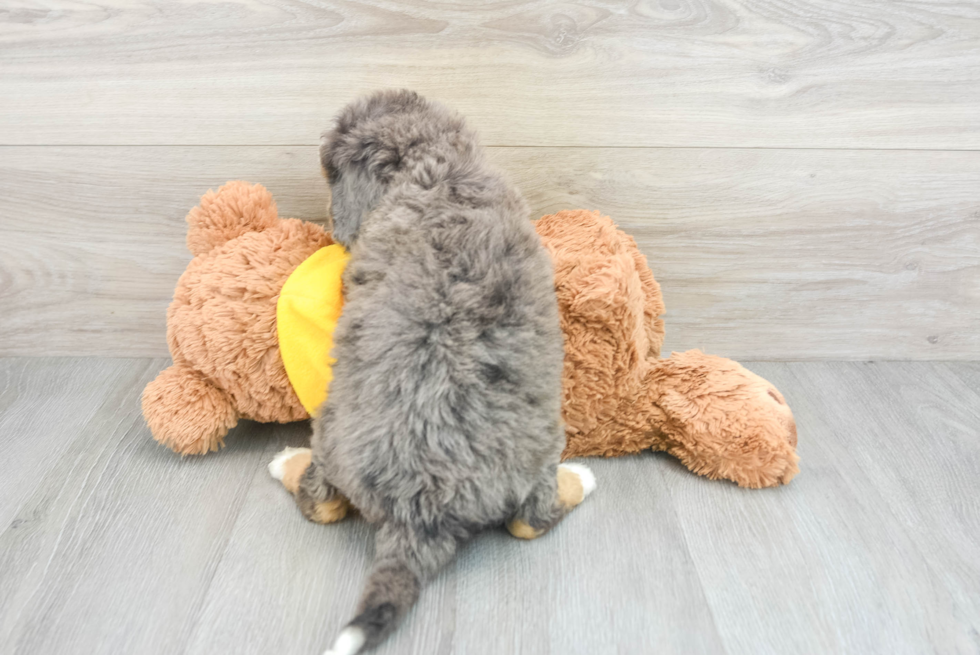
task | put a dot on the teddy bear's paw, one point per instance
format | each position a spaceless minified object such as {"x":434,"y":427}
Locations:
{"x":289,"y":465}
{"x":575,"y":483}
{"x":778,"y":470}
{"x":186,"y":412}
{"x":792,"y":467}
{"x":752,"y":469}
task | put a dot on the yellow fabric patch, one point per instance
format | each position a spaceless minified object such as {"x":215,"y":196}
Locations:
{"x":309,"y":305}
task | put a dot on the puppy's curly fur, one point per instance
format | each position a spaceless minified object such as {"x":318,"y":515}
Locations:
{"x":443,"y":416}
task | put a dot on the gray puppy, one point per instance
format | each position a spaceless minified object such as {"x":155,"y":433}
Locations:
{"x":443,"y":416}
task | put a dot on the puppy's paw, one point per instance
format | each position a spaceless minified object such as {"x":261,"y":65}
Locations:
{"x":324,"y":512}
{"x":523,"y":530}
{"x":575,"y":482}
{"x":289,"y":465}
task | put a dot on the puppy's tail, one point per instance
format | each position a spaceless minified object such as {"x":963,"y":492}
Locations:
{"x":405,"y":559}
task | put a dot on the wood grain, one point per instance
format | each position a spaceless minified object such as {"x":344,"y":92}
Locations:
{"x":866,"y":550}
{"x":71,"y":392}
{"x":761,"y":73}
{"x":115,"y":547}
{"x":945,"y":416}
{"x":969,"y":372}
{"x":762,"y":254}
{"x":561,"y":594}
{"x":120,"y":547}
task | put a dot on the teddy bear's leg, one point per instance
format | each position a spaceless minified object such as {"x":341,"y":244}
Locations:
{"x":186,"y":412}
{"x":756,"y":463}
{"x":555,"y":495}
{"x":721,"y":420}
{"x":319,"y":500}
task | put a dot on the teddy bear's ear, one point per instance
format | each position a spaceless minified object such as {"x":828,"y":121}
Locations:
{"x":229,"y":212}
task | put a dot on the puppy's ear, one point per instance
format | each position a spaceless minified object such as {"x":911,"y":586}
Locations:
{"x":364,"y":151}
{"x":354,"y":193}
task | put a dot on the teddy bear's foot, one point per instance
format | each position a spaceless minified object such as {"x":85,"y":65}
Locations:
{"x":289,"y":467}
{"x":754,"y":469}
{"x":574,"y":482}
{"x":187,"y":413}
{"x":722,"y":420}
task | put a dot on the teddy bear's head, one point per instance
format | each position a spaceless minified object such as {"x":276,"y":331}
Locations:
{"x":221,"y":325}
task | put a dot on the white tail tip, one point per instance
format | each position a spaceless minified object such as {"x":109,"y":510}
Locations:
{"x":348,"y":642}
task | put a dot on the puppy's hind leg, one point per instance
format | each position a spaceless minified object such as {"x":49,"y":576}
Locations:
{"x":556,"y":494}
{"x":319,"y":500}
{"x":289,"y":465}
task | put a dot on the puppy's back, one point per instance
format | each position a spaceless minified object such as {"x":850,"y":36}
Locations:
{"x":452,"y":336}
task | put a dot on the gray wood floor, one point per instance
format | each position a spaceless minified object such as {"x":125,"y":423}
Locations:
{"x":110,"y":544}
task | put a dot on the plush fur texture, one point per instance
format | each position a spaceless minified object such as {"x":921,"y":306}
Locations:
{"x":444,"y":414}
{"x":221,"y":325}
{"x":718,"y":418}
{"x":725,"y":422}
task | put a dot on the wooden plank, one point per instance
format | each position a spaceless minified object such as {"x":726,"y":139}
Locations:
{"x":121,"y":547}
{"x":276,"y":559}
{"x":939,"y":497}
{"x":115,"y":548}
{"x":969,"y":372}
{"x":618,"y":573}
{"x":905,"y":440}
{"x":44,"y":404}
{"x":835,"y":562}
{"x":788,"y":254}
{"x":98,"y":249}
{"x":596,"y":577}
{"x":766,"y":73}
{"x":762,"y":254}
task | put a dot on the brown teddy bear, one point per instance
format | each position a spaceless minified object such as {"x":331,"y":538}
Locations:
{"x":718,"y":418}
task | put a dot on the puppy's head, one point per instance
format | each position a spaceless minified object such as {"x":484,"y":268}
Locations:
{"x":374,"y":140}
